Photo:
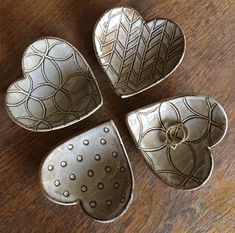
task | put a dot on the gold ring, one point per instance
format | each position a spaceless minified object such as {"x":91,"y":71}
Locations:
{"x":172,"y":135}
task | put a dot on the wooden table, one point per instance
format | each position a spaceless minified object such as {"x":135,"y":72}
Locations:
{"x":207,"y":68}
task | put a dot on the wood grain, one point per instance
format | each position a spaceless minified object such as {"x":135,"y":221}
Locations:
{"x":208,"y":68}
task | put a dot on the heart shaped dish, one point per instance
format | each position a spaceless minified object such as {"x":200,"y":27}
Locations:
{"x":175,"y":137}
{"x":91,"y":169}
{"x":135,"y":54}
{"x":58,"y":88}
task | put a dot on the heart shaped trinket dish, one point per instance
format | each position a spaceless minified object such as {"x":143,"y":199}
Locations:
{"x":175,"y":137}
{"x":58,"y":88}
{"x":135,"y":54}
{"x":91,"y":169}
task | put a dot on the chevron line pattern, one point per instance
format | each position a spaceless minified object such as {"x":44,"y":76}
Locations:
{"x":136,"y":55}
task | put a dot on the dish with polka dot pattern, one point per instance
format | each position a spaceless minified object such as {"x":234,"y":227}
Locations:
{"x":92,"y":169}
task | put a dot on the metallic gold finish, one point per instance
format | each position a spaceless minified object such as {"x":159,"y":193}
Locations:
{"x":58,"y":88}
{"x":84,"y":170}
{"x":176,"y":135}
{"x":172,"y":137}
{"x":135,"y":54}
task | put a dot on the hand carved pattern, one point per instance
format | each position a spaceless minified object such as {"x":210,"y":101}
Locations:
{"x":190,"y":164}
{"x":136,"y":54}
{"x":91,"y":169}
{"x":58,"y":88}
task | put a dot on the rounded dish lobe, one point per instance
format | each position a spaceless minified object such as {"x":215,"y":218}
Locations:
{"x":189,"y":165}
{"x":58,"y":88}
{"x":91,"y":169}
{"x":135,"y":54}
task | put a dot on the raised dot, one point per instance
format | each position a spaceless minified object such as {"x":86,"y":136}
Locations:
{"x":103,"y":141}
{"x":108,"y":203}
{"x":106,"y":130}
{"x":70,"y":146}
{"x":84,"y":188}
{"x":108,"y":169}
{"x":66,"y":193}
{"x":72,"y":177}
{"x":100,"y":186}
{"x":63,"y":164}
{"x":79,"y":158}
{"x":122,"y":169}
{"x":128,"y":183}
{"x":97,"y":157}
{"x":90,"y":173}
{"x":86,"y":142}
{"x":50,"y":167}
{"x":93,"y":204}
{"x":116,"y":185}
{"x":57,"y":183}
{"x":115,"y":154}
{"x":123,"y":199}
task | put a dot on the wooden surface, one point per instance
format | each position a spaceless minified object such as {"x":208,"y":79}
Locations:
{"x":207,"y":68}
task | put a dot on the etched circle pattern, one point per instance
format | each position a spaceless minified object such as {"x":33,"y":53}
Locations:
{"x":58,"y":87}
{"x":189,"y":165}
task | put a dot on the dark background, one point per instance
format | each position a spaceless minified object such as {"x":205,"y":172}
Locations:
{"x":207,"y":68}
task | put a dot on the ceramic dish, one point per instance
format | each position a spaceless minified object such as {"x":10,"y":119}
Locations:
{"x":175,"y":137}
{"x":91,"y":169}
{"x":58,"y":88}
{"x":135,"y":54}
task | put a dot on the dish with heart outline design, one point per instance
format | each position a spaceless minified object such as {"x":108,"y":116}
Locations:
{"x":58,"y":88}
{"x":135,"y":54}
{"x":91,"y":169}
{"x":189,"y":164}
